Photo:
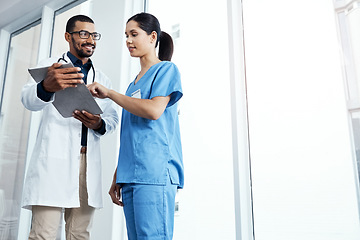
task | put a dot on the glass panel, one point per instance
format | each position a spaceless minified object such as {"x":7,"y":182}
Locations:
{"x":59,"y":44}
{"x":302,"y":171}
{"x":14,"y":126}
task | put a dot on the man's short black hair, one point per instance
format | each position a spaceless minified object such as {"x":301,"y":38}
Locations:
{"x":81,"y":18}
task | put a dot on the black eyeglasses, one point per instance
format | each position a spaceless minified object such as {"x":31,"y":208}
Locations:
{"x":85,"y":34}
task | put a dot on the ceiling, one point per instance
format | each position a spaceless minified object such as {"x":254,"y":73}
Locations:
{"x":11,"y":10}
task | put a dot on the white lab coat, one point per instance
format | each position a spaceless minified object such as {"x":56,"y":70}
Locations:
{"x":52,"y":178}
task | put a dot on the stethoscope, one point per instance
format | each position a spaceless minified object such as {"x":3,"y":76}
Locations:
{"x":92,"y":66}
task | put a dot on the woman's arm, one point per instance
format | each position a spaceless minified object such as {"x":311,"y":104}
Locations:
{"x":146,"y":108}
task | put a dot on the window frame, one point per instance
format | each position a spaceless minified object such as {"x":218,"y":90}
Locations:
{"x":350,"y":78}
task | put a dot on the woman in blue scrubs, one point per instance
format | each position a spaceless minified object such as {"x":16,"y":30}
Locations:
{"x":150,"y":166}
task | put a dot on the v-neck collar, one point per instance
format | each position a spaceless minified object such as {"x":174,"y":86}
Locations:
{"x":135,"y":84}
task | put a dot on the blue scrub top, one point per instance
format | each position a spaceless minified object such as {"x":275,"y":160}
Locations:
{"x":150,"y":150}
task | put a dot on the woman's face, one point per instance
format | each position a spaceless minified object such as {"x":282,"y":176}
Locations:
{"x":138,"y":41}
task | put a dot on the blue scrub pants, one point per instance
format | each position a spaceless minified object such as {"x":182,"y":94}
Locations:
{"x":149,"y":210}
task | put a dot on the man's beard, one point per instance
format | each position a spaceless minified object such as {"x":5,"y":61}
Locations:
{"x":80,"y":52}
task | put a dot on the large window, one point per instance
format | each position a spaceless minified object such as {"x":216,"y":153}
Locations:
{"x":302,"y":172}
{"x":14,"y":128}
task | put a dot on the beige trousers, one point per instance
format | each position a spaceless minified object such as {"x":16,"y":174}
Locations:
{"x":78,"y":221}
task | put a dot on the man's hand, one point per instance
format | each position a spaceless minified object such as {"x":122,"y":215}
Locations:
{"x":60,"y":78}
{"x":89,"y":120}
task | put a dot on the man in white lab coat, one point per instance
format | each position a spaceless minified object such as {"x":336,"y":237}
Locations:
{"x":65,"y":168}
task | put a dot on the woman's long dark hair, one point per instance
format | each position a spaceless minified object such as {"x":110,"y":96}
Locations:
{"x":150,"y":23}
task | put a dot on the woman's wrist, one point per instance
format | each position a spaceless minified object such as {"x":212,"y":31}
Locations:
{"x":110,"y":94}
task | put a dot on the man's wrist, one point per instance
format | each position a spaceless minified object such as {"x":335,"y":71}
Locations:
{"x":101,"y":129}
{"x":42,"y":93}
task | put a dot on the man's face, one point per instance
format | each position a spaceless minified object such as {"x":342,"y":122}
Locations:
{"x":79,"y":47}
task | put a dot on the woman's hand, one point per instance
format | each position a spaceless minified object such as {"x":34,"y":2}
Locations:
{"x":115,"y":193}
{"x":98,"y":90}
